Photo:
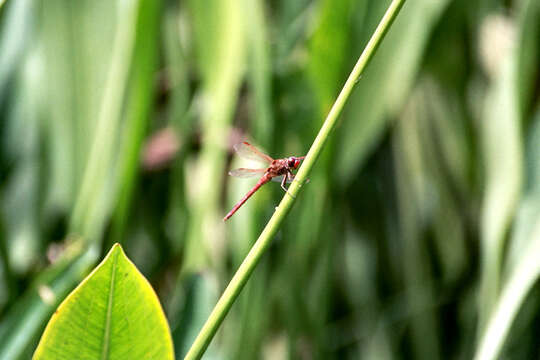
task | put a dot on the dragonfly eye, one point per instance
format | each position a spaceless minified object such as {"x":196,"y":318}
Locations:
{"x":293,"y":162}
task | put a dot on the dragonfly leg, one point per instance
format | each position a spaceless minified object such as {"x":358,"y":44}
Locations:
{"x":285,"y":177}
{"x":283,"y":182}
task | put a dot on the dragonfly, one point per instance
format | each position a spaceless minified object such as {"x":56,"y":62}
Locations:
{"x":277,"y":170}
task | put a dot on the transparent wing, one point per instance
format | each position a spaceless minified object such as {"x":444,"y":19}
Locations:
{"x":279,"y":179}
{"x":250,"y":152}
{"x":246,"y":173}
{"x":289,"y":179}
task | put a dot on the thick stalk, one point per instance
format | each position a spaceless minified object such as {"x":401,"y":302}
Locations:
{"x":252,"y":259}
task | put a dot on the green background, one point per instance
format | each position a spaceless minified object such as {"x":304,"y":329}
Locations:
{"x":418,"y":235}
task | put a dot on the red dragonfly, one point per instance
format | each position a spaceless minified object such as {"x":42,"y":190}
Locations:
{"x":277,"y":170}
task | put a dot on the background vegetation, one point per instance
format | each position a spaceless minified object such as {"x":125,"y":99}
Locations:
{"x":418,"y":235}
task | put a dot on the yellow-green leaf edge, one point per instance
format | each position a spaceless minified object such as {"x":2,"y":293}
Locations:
{"x":70,"y":337}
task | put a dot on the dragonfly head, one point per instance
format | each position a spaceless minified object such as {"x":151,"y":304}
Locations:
{"x":293,"y":162}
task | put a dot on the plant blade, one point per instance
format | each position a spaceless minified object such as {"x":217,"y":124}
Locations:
{"x":113,"y":314}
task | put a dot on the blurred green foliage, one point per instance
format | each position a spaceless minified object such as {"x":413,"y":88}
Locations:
{"x":418,"y":235}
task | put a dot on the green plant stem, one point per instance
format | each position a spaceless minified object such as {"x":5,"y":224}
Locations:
{"x":248,"y":265}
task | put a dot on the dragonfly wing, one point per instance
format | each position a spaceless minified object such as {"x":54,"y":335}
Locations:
{"x":246,"y":173}
{"x":279,"y":179}
{"x":250,"y":152}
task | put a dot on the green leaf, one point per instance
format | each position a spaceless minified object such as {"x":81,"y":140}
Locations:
{"x":112,"y":314}
{"x":94,"y":199}
{"x":195,"y":296}
{"x":328,"y":50}
{"x":138,"y":107}
{"x":523,"y":267}
{"x":14,"y":38}
{"x":528,"y":51}
{"x":503,"y":159}
{"x":385,"y":84}
{"x":217,"y":27}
